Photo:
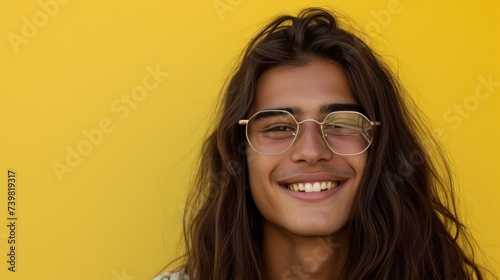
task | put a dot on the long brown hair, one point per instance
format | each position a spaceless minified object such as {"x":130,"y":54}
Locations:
{"x":404,"y":223}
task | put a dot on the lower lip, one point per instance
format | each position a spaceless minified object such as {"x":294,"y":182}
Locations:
{"x":313,"y":196}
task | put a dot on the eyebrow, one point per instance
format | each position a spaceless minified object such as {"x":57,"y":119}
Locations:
{"x":326,"y":108}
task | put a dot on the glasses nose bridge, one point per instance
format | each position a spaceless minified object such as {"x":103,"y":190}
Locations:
{"x":311,"y":120}
{"x":299,"y":124}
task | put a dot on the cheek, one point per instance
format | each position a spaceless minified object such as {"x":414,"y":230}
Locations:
{"x":260,"y":169}
{"x":358,"y":163}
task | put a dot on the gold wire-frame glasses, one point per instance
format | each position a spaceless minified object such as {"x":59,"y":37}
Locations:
{"x":273,"y":132}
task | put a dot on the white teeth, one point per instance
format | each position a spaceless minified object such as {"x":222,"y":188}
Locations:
{"x":313,"y":186}
{"x":316,"y":187}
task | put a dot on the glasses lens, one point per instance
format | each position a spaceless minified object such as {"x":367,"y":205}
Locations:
{"x":347,"y":133}
{"x":271,"y":132}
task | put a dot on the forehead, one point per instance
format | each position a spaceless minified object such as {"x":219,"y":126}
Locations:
{"x":308,"y":87}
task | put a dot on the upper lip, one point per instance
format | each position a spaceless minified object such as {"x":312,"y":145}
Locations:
{"x":311,"y":177}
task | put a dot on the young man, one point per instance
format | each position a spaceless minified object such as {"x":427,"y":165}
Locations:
{"x":317,"y":170}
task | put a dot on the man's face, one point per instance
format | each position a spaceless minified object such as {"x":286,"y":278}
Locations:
{"x":308,"y":89}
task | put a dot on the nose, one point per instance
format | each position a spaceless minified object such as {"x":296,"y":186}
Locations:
{"x":310,"y":145}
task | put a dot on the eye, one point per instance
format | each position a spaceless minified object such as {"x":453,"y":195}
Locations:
{"x":333,"y":126}
{"x":280,"y":128}
{"x":339,"y":128}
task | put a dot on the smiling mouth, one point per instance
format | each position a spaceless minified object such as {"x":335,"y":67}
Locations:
{"x":313,"y":186}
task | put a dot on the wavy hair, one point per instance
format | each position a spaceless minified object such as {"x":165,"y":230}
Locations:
{"x":404,"y":223}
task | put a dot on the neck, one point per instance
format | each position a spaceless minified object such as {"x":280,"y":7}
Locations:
{"x":289,"y":256}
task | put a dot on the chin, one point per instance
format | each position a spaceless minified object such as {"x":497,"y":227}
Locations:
{"x":315,"y":230}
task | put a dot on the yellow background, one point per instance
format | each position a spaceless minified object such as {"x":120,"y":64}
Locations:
{"x":116,"y":215}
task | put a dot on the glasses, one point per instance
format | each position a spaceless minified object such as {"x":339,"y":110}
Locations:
{"x":272,"y":132}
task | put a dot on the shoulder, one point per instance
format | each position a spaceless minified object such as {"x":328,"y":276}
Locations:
{"x":179,"y":275}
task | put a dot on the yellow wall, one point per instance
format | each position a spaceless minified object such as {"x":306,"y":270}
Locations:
{"x":129,"y":86}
